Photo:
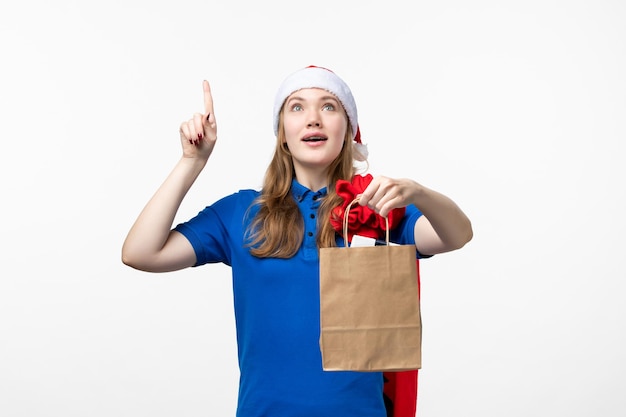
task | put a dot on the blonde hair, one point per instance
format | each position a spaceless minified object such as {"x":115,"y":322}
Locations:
{"x":277,"y":230}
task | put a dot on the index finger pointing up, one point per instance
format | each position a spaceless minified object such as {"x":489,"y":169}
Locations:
{"x":208,"y":99}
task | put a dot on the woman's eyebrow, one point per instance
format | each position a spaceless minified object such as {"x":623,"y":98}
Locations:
{"x":323,"y":98}
{"x":330,"y":97}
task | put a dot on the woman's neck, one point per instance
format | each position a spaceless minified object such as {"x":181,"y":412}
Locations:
{"x":314,"y":181}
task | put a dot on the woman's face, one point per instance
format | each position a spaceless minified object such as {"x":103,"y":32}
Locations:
{"x":315,"y":126}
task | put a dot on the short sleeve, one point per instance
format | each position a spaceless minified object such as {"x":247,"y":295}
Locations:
{"x":218,"y":228}
{"x":404,"y":233}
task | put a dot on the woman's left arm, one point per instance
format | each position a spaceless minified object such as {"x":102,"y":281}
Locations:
{"x":443,"y":227}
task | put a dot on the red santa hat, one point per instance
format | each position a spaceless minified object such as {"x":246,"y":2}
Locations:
{"x":319,"y":77}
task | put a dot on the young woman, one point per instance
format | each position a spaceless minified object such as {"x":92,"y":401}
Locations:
{"x":271,"y":238}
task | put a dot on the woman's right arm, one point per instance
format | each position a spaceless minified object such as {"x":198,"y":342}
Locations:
{"x":151,"y":245}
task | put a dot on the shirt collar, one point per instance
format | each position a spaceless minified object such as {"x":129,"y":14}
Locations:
{"x":301,"y":193}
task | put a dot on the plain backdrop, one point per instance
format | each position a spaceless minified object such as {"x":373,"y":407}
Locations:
{"x":514,"y":109}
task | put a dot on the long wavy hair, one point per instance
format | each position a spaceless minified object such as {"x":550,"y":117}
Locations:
{"x":277,"y":230}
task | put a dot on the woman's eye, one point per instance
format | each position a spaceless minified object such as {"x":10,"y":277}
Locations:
{"x":328,"y":107}
{"x":296,"y":107}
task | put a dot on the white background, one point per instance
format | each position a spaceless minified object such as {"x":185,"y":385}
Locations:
{"x":514,"y":109}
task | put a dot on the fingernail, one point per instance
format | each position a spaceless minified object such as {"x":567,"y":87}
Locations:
{"x":207,"y":117}
{"x":199,"y":136}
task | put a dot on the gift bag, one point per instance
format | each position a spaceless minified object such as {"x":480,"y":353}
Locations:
{"x":369,"y":307}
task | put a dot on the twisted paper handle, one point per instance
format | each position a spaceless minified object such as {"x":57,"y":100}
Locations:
{"x":345,"y":224}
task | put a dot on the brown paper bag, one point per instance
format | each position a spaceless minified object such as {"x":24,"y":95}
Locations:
{"x":370,"y":312}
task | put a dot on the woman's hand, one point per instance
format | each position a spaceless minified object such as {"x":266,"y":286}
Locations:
{"x":385,"y":194}
{"x":198,"y":134}
{"x":442,"y":228}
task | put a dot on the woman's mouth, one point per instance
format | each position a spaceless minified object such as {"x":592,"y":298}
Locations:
{"x":314,"y":138}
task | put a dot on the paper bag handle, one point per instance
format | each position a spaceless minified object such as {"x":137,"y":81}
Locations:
{"x":345,"y":224}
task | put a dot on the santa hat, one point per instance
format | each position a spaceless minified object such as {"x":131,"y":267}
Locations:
{"x":319,"y":77}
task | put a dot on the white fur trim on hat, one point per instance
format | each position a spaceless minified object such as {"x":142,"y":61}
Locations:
{"x":318,"y":77}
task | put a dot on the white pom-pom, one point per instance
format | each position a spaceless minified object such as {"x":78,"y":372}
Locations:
{"x":361,"y":152}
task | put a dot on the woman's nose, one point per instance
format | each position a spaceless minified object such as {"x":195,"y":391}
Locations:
{"x":314,"y":120}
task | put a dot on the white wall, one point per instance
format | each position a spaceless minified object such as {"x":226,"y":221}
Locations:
{"x":514,"y":109}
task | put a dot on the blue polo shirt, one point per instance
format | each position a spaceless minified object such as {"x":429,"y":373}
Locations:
{"x":277,"y":314}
